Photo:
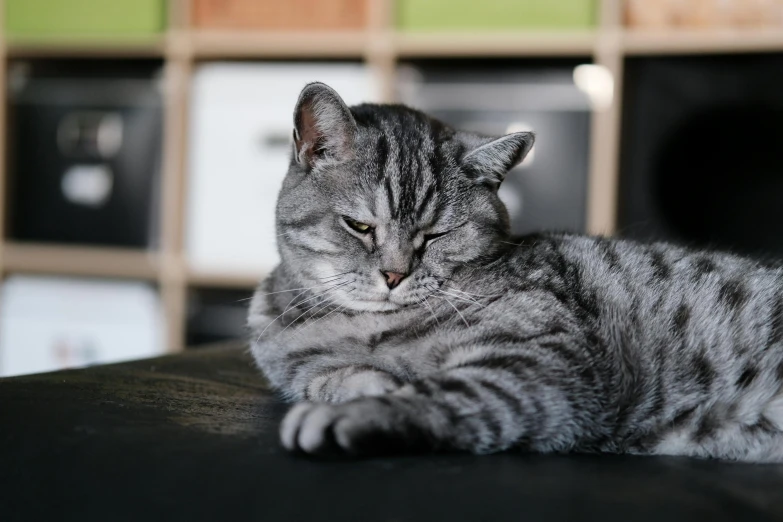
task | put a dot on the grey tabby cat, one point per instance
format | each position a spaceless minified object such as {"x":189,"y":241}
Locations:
{"x":404,"y":317}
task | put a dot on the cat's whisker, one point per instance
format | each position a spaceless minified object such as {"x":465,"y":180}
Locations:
{"x":465,"y":299}
{"x":288,"y":290}
{"x":291,"y":302}
{"x":340,"y":273}
{"x":316,"y":296}
{"x":331,"y":302}
{"x":432,"y":311}
{"x":321,"y":295}
{"x":312,"y":311}
{"x":298,"y":317}
{"x":455,"y":309}
{"x":325,"y":316}
{"x":288,"y":307}
{"x":332,"y":277}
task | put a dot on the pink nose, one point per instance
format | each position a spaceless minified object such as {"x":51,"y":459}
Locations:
{"x":393,"y":278}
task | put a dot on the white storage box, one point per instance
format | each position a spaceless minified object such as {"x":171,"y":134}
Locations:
{"x":49,"y":323}
{"x":240,"y":145}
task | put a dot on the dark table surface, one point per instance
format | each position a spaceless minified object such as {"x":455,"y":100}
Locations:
{"x":194,"y":437}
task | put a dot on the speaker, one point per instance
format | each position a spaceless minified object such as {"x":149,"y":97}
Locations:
{"x":701,"y":159}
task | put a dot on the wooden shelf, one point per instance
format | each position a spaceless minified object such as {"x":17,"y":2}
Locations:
{"x":382,"y":46}
{"x":80,"y":261}
{"x":238,"y":44}
{"x":468,"y":44}
{"x":213,"y":45}
{"x":702,"y":42}
{"x":86,"y":48}
{"x":217,"y":280}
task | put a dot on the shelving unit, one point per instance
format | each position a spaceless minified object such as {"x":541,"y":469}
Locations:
{"x":381,"y":47}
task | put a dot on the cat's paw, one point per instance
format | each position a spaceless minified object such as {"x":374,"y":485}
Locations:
{"x":361,"y":427}
{"x":366,"y":384}
{"x":349,"y":384}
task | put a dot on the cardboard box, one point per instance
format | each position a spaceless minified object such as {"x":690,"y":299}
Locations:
{"x":280,"y":15}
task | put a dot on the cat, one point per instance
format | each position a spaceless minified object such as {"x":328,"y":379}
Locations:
{"x":404,"y":317}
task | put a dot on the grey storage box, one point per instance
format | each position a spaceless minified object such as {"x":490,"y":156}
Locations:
{"x":548,"y":191}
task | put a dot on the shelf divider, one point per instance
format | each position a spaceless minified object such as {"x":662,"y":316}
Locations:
{"x":3,"y":136}
{"x":178,"y":74}
{"x":605,"y":126}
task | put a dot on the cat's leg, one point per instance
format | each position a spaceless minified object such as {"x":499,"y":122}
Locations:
{"x":348,"y":383}
{"x":324,"y":374}
{"x":488,"y":405}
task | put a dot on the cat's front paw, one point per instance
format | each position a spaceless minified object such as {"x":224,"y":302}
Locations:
{"x":372,"y":425}
{"x":366,"y":384}
{"x":351,"y":383}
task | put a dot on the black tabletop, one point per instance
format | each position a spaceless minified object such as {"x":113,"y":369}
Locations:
{"x":194,"y":437}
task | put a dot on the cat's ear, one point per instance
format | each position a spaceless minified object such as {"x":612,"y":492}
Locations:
{"x":323,"y":126}
{"x":490,"y":161}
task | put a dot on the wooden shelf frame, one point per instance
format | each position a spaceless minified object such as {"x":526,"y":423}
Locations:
{"x":86,"y":48}
{"x":35,"y":258}
{"x":380,"y":46}
{"x":200,"y":279}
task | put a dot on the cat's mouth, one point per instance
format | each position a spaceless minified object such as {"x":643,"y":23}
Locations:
{"x":375,"y":305}
{"x":378,"y":302}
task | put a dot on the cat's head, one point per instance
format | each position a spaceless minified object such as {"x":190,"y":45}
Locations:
{"x":382,"y":204}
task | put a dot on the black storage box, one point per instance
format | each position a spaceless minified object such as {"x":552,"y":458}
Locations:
{"x":701,"y":160}
{"x":548,"y":191}
{"x":85,"y":148}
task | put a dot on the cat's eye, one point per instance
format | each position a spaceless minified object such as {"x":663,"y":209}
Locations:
{"x":429,"y":238}
{"x":362,"y":228}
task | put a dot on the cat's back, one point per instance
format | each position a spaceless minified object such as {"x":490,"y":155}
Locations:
{"x":589,"y":262}
{"x":656,"y":293}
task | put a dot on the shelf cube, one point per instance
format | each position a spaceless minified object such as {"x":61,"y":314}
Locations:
{"x":85,"y":18}
{"x":495,"y":14}
{"x":277,"y":15}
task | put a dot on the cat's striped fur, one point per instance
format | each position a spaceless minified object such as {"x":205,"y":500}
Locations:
{"x":552,"y":343}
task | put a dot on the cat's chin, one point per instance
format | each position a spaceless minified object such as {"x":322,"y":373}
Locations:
{"x":373,"y":306}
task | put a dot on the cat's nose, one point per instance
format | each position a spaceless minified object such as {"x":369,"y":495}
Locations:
{"x":393,"y":278}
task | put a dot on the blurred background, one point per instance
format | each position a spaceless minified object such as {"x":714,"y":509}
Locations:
{"x":144,"y":141}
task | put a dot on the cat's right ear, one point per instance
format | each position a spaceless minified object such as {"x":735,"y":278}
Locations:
{"x":491,"y":159}
{"x":324,"y":128}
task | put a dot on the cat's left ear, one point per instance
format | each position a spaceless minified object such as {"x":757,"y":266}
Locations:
{"x":491,"y":161}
